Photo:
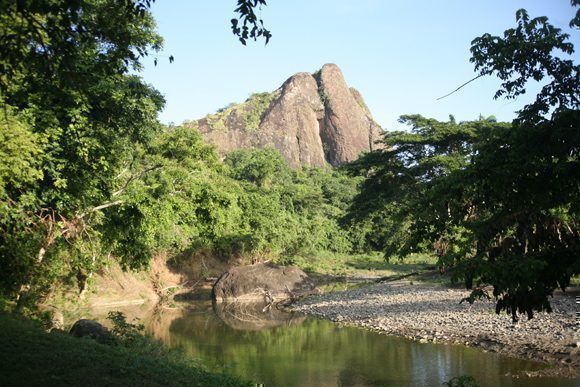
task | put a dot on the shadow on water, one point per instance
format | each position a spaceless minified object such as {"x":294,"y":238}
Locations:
{"x":285,"y":349}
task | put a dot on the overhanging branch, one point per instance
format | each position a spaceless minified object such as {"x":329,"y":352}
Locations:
{"x":99,"y":207}
{"x":460,"y":87}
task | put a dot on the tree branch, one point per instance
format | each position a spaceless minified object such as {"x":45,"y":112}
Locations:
{"x":133,"y":178}
{"x":460,"y":87}
{"x":99,"y":207}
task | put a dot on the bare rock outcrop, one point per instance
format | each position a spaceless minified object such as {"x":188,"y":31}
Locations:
{"x":291,"y":124}
{"x":312,"y":119}
{"x":347,"y":129}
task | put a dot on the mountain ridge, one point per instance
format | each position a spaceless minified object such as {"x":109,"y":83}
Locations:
{"x":312,"y":119}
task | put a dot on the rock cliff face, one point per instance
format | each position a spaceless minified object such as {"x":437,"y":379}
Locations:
{"x":312,"y":119}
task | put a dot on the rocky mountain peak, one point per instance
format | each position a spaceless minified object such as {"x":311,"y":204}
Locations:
{"x":312,"y":119}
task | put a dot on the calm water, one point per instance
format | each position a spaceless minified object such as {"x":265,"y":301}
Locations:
{"x":282,"y":349}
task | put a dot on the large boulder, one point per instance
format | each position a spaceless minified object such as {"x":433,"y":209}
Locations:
{"x":91,"y":329}
{"x":262,"y":282}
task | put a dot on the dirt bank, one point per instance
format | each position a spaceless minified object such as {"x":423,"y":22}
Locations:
{"x":432,"y":313}
{"x":113,"y":287}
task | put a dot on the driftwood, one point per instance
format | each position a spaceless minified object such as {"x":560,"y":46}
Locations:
{"x":268,"y":299}
{"x":391,"y":278}
{"x":295,"y":296}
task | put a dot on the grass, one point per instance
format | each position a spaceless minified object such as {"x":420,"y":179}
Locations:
{"x":250,"y":112}
{"x":337,"y":272}
{"x":31,"y":356}
{"x":362,"y":265}
{"x":327,"y":267}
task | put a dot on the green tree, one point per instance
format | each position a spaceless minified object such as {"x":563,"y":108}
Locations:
{"x":499,"y":202}
{"x":165,"y":198}
{"x":86,"y":170}
{"x":526,"y":53}
{"x":259,"y":166}
{"x":287,"y":212}
{"x":409,"y":194}
{"x":69,"y":101}
{"x":526,"y":181}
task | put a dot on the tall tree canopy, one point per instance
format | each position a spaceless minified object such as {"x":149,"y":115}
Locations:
{"x":69,"y":102}
{"x":527,"y":180}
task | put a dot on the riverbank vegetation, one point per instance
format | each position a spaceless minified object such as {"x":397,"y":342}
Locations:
{"x":31,"y":356}
{"x":89,"y":173}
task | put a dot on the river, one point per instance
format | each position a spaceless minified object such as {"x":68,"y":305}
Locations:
{"x":277,"y":348}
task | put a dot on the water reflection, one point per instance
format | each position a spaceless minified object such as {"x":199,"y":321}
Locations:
{"x":253,"y":316}
{"x":281,"y":349}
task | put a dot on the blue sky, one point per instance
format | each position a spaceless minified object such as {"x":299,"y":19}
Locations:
{"x":401,"y":55}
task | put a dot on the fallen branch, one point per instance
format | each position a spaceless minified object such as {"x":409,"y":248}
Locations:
{"x":135,"y":177}
{"x":391,"y":278}
{"x":180,"y":286}
{"x":294,"y":296}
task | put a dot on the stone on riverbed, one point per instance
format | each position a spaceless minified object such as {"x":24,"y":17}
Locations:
{"x":90,"y":329}
{"x":262,"y":282}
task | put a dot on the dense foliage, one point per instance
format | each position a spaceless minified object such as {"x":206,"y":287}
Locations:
{"x":73,"y":118}
{"x":86,"y":169}
{"x":498,"y":202}
{"x":251,"y":205}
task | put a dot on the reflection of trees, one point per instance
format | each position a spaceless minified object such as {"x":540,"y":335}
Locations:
{"x":317,"y":352}
{"x":254,"y":315}
{"x":294,"y":350}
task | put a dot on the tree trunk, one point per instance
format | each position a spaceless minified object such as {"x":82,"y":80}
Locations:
{"x":24,"y":291}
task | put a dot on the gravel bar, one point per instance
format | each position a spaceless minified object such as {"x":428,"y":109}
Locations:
{"x":433,"y":313}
